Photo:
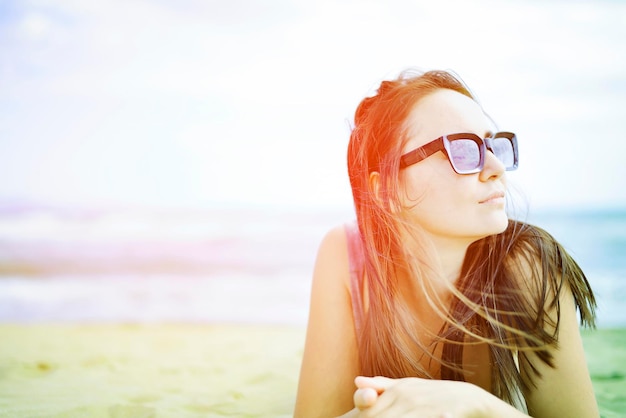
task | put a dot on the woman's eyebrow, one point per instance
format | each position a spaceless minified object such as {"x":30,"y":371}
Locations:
{"x":488,"y":134}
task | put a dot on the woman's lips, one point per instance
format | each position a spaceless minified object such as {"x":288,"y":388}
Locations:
{"x":496,"y":197}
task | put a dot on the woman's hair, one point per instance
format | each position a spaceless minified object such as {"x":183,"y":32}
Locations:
{"x":507,"y":282}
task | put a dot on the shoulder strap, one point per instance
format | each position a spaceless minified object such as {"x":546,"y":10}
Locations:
{"x":356,"y":261}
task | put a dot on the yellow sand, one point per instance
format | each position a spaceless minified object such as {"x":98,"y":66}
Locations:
{"x":192,"y":370}
{"x":148,"y":370}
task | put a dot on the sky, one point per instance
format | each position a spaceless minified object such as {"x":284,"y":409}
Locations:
{"x":197,"y":103}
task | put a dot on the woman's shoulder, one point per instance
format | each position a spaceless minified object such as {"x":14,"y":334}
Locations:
{"x":335,"y":238}
{"x":332,"y":261}
{"x":523,"y":241}
{"x":524,"y":245}
{"x":529,"y":242}
{"x":341,"y":237}
{"x":543,"y":266}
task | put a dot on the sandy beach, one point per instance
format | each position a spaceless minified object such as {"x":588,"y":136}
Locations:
{"x":174,"y":370}
{"x":193,"y":370}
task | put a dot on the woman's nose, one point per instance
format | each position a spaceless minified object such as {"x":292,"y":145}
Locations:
{"x":493,"y":168}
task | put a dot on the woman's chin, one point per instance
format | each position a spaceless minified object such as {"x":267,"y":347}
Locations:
{"x":497,"y":223}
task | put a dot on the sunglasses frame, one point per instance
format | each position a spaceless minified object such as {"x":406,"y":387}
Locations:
{"x":443,"y":144}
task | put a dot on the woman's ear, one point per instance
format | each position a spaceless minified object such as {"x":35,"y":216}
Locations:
{"x":374,"y":185}
{"x":376,"y":190}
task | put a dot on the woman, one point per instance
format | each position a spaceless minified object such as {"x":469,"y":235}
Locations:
{"x":435,"y":304}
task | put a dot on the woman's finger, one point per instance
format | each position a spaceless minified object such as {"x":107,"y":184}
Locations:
{"x":365,"y":398}
{"x":378,"y":383}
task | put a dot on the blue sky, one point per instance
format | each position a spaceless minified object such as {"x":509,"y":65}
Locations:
{"x":194,"y":103}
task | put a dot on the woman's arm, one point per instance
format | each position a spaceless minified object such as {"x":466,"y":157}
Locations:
{"x":566,"y":389}
{"x":330,"y":360}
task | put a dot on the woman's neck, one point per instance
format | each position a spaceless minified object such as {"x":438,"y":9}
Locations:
{"x":444,"y":261}
{"x":451,"y":255}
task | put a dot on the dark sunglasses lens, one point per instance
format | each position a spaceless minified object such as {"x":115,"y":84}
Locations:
{"x":465,"y":155}
{"x":503,"y":149}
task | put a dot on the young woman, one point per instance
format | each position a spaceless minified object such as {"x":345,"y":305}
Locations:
{"x":435,"y":303}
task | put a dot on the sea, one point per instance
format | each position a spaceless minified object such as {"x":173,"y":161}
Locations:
{"x":224,"y":264}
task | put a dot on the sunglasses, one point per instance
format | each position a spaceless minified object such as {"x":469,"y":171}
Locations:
{"x":466,"y":152}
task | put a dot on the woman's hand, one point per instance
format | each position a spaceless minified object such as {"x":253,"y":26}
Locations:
{"x":383,"y":397}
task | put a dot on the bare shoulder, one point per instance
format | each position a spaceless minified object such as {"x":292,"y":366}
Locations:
{"x":332,"y":257}
{"x":335,"y":239}
{"x":543,"y":267}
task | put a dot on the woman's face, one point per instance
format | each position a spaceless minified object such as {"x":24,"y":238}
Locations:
{"x":450,"y":206}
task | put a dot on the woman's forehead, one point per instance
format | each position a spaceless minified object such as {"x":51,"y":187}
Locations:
{"x":445,"y":112}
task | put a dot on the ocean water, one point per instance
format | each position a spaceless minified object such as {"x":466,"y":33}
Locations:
{"x":226,"y":265}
